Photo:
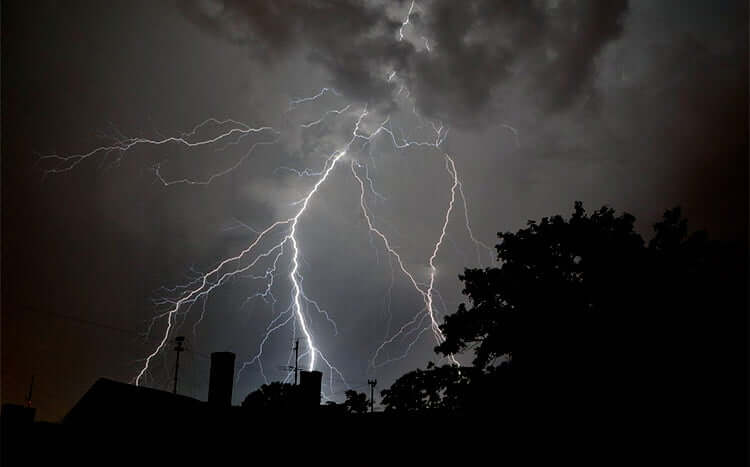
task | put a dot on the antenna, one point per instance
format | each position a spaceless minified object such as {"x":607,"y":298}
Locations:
{"x":294,"y":368}
{"x":177,"y":348}
{"x":372,"y":383}
{"x":296,"y":360}
{"x":31,"y":390}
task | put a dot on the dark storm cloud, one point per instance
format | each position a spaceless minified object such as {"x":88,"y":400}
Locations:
{"x":353,"y":40}
{"x":551,"y":47}
{"x":476,"y":46}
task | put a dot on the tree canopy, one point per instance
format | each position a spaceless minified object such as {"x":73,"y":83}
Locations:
{"x":556,"y":279}
{"x":275,"y":396}
{"x":444,"y":388}
{"x":356,"y":402}
{"x":571,"y":289}
{"x":583,"y":309}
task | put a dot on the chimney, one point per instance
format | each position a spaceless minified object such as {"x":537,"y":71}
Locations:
{"x":221,"y":379}
{"x":310,"y":384}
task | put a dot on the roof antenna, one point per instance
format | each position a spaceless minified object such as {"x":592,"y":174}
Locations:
{"x":178,"y":348}
{"x":31,"y":390}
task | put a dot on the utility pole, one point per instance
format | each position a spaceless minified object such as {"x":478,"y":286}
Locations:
{"x":372,"y":383}
{"x":294,"y":368}
{"x":296,"y":360}
{"x":178,"y":348}
{"x":31,"y":390}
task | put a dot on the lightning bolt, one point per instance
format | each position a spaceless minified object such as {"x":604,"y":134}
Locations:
{"x":427,"y":294}
{"x":281,"y":238}
{"x":294,"y":102}
{"x":405,"y":22}
{"x":122,"y":145}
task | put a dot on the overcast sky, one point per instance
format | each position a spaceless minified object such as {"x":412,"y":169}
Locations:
{"x":637,"y":105}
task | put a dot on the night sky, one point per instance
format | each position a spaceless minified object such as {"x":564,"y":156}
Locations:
{"x":638,"y":105}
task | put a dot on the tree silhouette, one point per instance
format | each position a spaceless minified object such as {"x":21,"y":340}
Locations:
{"x":275,"y":396}
{"x":588,"y":313}
{"x":446,"y":387}
{"x":556,"y":281}
{"x":356,"y":402}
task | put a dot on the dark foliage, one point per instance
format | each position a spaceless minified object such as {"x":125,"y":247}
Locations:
{"x":587,"y":294}
{"x":356,"y":402}
{"x":447,"y":388}
{"x":560,"y":282}
{"x":597,"y":328}
{"x":275,"y":396}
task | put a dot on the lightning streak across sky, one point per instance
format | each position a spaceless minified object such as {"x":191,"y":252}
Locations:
{"x":281,"y":238}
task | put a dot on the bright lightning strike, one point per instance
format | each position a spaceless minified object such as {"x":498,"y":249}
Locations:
{"x":121,"y":146}
{"x":281,"y":239}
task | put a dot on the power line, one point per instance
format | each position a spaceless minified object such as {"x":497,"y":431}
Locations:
{"x":104,"y":326}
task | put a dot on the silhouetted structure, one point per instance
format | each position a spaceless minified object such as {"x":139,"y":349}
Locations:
{"x":111,"y":404}
{"x":178,"y":349}
{"x":611,"y":383}
{"x":296,"y":360}
{"x":372,"y":383}
{"x":222,"y":379}
{"x":119,"y":419}
{"x":13,"y":415}
{"x":310,"y":382}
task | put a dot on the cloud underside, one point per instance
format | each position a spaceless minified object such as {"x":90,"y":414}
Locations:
{"x":453,"y":57}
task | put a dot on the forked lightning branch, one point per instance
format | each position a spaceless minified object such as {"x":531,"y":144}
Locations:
{"x":281,"y":243}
